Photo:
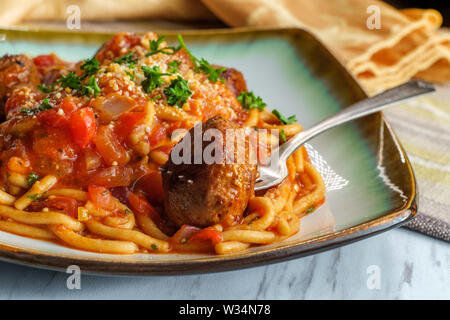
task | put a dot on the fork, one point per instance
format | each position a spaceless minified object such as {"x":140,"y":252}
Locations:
{"x":276,"y":171}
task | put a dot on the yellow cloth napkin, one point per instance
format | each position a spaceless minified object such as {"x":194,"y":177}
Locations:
{"x":16,"y":11}
{"x":406,"y":45}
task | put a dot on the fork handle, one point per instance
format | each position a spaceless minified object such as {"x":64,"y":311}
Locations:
{"x":360,"y":109}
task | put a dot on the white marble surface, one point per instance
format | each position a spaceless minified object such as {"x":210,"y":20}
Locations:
{"x":411,"y":266}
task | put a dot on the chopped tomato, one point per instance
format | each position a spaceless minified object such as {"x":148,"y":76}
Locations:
{"x":126,"y":123}
{"x":101,"y":197}
{"x":57,"y":203}
{"x":82,"y":126}
{"x":117,"y":44}
{"x":54,"y":143}
{"x":158,"y":133}
{"x":208,"y":233}
{"x":45,"y":60}
{"x":57,"y":119}
{"x":142,"y":207}
{"x":65,"y":204}
{"x":113,"y":176}
{"x":109,"y":146}
{"x":151,"y":186}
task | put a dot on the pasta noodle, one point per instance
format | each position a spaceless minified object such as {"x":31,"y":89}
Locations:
{"x":36,"y":191}
{"x":40,"y":217}
{"x":26,"y":230}
{"x":129,"y":235}
{"x":90,"y":244}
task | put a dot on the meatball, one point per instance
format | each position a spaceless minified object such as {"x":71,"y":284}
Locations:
{"x":15,"y":71}
{"x":205,"y":194}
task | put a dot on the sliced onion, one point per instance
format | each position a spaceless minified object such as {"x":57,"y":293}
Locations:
{"x":112,"y":105}
{"x":184,"y":233}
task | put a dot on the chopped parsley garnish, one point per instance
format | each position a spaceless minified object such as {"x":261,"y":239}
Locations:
{"x":282,"y":136}
{"x":178,"y":92}
{"x":152,"y":78}
{"x":173,"y":66}
{"x":212,"y":72}
{"x":310,"y":209}
{"x":154,"y":247}
{"x":44,"y":89}
{"x":183,"y":46}
{"x":202,"y":64}
{"x":32,"y":178}
{"x":155,"y":98}
{"x":131,"y":75}
{"x":70,"y":81}
{"x":127,"y":59}
{"x":90,"y":68}
{"x":91,"y":88}
{"x":45,"y":105}
{"x":127,"y":211}
{"x":283,"y":119}
{"x":35,"y":196}
{"x":248,"y":100}
{"x":154,"y":47}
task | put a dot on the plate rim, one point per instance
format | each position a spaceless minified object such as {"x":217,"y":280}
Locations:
{"x":389,"y":220}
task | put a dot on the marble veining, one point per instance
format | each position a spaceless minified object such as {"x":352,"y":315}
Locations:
{"x":411,"y":266}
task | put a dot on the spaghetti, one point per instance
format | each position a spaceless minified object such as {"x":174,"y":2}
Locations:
{"x":82,"y":143}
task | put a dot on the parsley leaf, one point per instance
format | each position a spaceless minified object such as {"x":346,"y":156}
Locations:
{"x":35,"y":196}
{"x":154,"y":47}
{"x":92,"y":88}
{"x":127,"y":59}
{"x":212,"y":72}
{"x":248,"y":100}
{"x":90,"y":67}
{"x":44,"y":89}
{"x":152,"y":78}
{"x":178,"y":92}
{"x":183,"y":46}
{"x":282,"y":136}
{"x":310,"y":209}
{"x":202,"y":64}
{"x":32,"y":178}
{"x":70,"y":81}
{"x":45,"y":105}
{"x":283,"y":119}
{"x":173,"y":66}
{"x":131,"y":75}
{"x":154,"y":247}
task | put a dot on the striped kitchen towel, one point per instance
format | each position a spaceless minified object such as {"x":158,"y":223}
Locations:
{"x":423,"y":127}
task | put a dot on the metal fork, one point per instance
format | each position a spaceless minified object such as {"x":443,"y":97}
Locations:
{"x":276,"y":171}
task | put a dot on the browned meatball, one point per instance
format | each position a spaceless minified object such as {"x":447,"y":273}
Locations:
{"x":206,"y":194}
{"x":15,"y":71}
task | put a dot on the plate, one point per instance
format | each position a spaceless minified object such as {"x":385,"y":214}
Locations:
{"x":370,"y":183}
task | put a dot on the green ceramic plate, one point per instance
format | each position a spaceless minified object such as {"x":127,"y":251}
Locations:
{"x":370,"y":184}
